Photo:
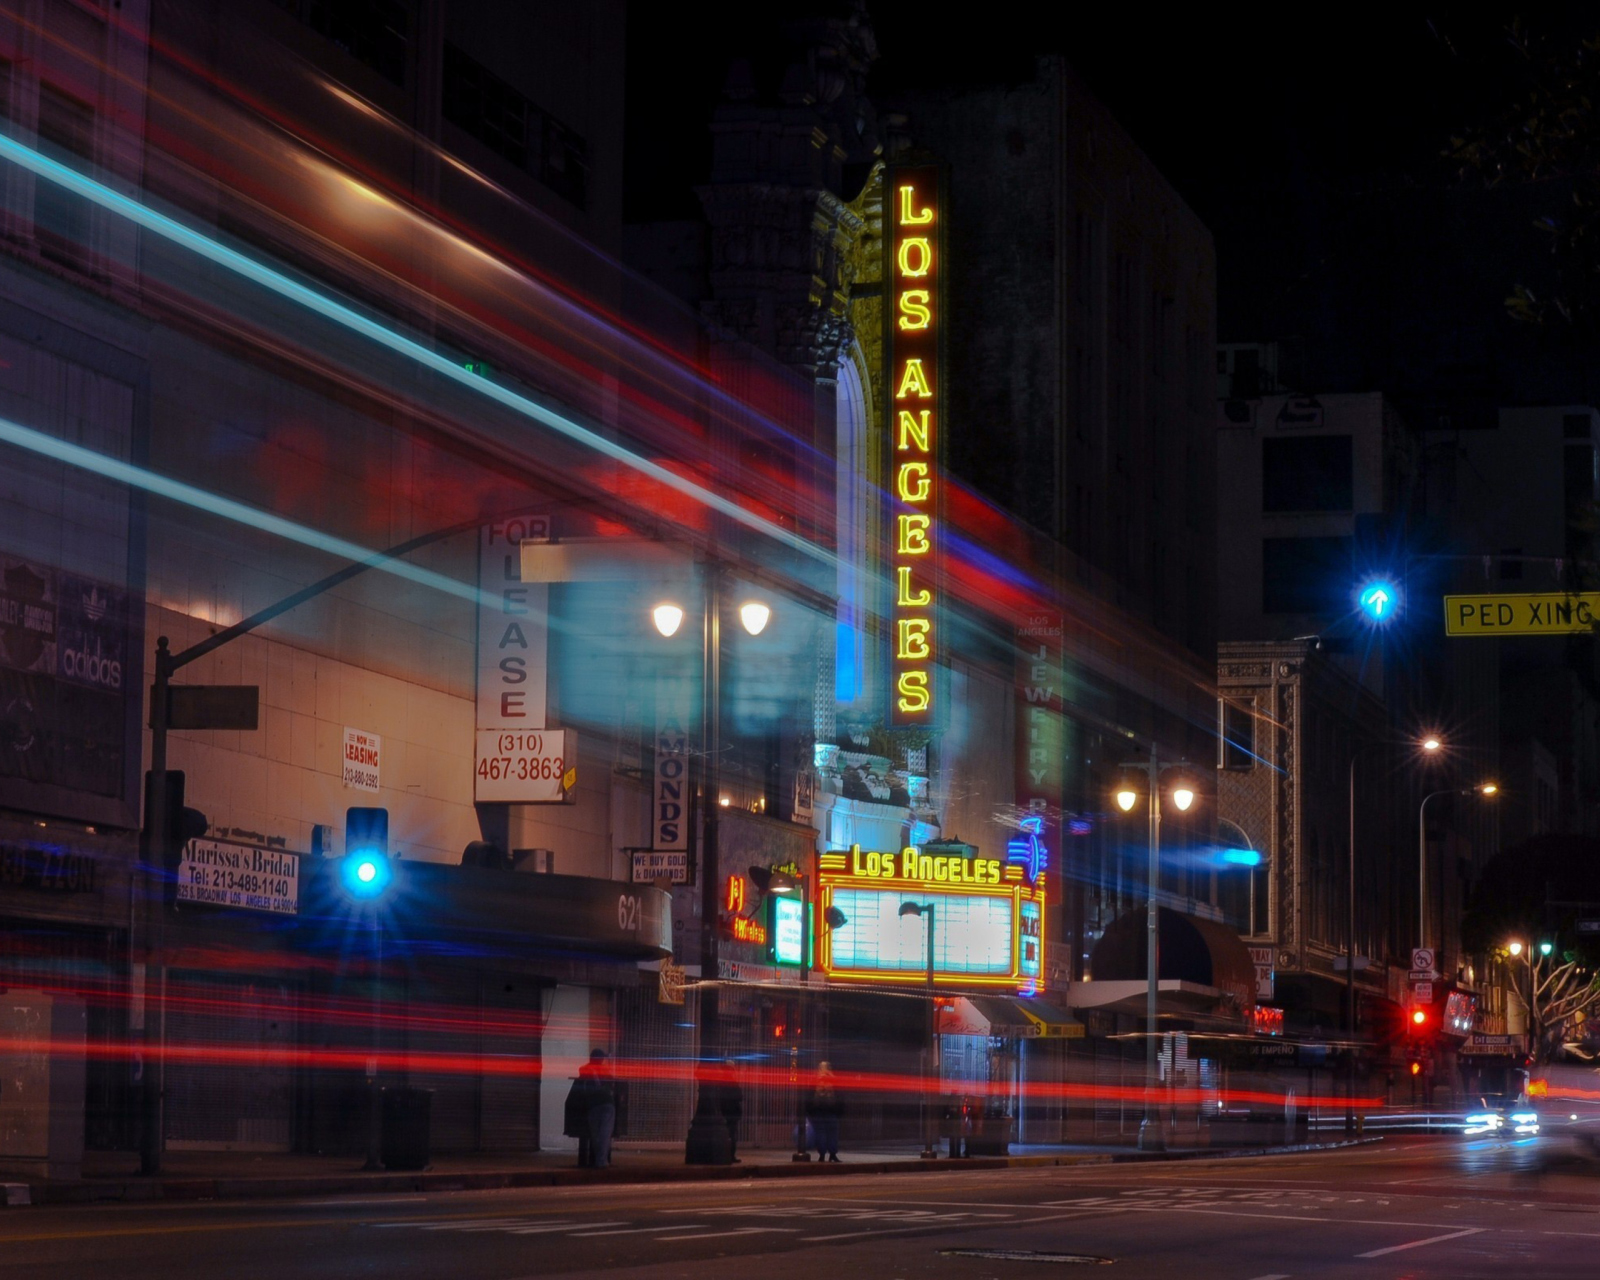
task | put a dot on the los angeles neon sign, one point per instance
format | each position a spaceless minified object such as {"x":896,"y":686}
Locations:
{"x":915,"y":403}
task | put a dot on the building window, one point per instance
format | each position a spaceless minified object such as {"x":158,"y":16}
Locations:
{"x":1237,"y":748}
{"x":372,"y":32}
{"x":61,"y":218}
{"x":509,"y":124}
{"x":1307,"y":473}
{"x":1306,"y":575}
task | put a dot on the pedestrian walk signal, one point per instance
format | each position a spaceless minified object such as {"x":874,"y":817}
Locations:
{"x":365,"y":870}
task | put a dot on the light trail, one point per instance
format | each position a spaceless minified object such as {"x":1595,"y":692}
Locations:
{"x":14,"y":433}
{"x":346,"y":317}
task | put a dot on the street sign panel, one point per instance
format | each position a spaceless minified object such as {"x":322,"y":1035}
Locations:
{"x":1423,"y":975}
{"x":1589,"y":926}
{"x":1422,"y":993}
{"x":1422,"y":957}
{"x":213,"y":706}
{"x":1549,"y":613}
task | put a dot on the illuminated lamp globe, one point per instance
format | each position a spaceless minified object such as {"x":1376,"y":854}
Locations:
{"x":1183,"y":797}
{"x":1126,"y":799}
{"x":668,"y":617}
{"x":754,"y":615}
{"x":1515,"y":948}
{"x":1488,"y":788}
{"x":1431,"y":743}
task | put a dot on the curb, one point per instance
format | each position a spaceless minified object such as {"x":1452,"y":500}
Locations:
{"x":191,"y":1189}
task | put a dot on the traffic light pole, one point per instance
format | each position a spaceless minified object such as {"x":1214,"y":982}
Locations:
{"x":152,"y":1083}
{"x":153,"y":916}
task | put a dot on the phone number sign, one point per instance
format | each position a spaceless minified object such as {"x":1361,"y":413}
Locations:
{"x":221,"y":874}
{"x":525,"y":766}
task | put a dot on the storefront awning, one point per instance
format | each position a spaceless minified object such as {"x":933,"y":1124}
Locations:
{"x":1023,"y":1017}
{"x":1195,"y":952}
{"x":1173,"y":996}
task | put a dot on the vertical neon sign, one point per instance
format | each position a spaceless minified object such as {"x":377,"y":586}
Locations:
{"x":915,"y":402}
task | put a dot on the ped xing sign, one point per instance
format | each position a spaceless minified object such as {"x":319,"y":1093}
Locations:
{"x":1553,"y":613}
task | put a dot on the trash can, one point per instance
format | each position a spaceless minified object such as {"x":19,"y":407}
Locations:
{"x":407,"y":1115}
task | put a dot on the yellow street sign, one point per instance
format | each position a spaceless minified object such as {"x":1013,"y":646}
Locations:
{"x":1551,"y":613}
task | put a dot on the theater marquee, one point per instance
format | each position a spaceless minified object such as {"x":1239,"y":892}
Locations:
{"x":988,"y":916}
{"x":914,"y":319}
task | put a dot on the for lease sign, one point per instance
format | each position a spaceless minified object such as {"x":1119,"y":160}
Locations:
{"x":361,"y":759}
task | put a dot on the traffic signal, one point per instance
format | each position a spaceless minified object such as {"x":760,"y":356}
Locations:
{"x":183,"y":824}
{"x":1419,"y":1020}
{"x":365,"y":870}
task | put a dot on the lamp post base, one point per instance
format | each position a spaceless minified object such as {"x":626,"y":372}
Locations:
{"x":1150,"y":1138}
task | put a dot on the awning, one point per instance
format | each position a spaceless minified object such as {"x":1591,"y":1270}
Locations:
{"x":1023,"y":1017}
{"x":1196,"y":952}
{"x":1129,"y":996}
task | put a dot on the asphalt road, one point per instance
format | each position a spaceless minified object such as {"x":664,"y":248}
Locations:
{"x":1415,"y":1208}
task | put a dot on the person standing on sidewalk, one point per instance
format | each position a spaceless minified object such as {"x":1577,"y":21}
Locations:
{"x":823,"y":1109}
{"x":731,"y":1103}
{"x":600,"y":1098}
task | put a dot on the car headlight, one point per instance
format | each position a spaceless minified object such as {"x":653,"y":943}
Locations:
{"x":1524,"y":1117}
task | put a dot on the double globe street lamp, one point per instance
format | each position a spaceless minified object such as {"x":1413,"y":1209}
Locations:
{"x":668,"y":616}
{"x":1182,"y":794}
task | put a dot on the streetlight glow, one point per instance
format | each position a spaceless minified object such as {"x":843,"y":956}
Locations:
{"x":1126,"y":799}
{"x":1431,"y":743}
{"x":1488,"y":788}
{"x":1515,"y":948}
{"x":754,"y":615}
{"x":668,"y":618}
{"x":1183,"y":797}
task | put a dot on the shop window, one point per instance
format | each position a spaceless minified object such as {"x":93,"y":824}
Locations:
{"x":372,"y":32}
{"x":511,"y":125}
{"x":1307,"y":473}
{"x":1238,"y":734}
{"x":61,"y":218}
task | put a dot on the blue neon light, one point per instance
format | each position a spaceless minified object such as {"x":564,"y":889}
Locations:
{"x":1242,"y":857}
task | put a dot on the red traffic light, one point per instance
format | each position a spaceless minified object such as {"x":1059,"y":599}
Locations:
{"x":1419,"y":1017}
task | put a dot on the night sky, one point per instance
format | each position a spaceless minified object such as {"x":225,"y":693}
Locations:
{"x":1309,"y":140}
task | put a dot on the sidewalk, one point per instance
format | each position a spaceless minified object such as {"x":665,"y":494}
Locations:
{"x":232,"y":1175}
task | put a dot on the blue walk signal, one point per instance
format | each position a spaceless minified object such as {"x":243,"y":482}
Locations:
{"x":1379,"y":600}
{"x":365,"y":870}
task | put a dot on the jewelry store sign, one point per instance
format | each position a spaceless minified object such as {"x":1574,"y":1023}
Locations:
{"x":221,"y":874}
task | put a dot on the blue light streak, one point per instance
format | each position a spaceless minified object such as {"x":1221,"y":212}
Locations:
{"x":339,"y":313}
{"x":189,"y":495}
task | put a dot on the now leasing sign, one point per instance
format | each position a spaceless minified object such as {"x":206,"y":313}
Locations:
{"x":362,"y":756}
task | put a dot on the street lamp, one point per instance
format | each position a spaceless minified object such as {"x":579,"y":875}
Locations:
{"x":925,"y":909}
{"x":667,"y":617}
{"x":1183,"y":796}
{"x":1485,"y":789}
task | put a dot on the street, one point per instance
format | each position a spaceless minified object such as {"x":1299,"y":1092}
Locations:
{"x":1416,"y":1207}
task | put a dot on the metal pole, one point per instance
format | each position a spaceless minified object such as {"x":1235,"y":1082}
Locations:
{"x":801,"y":1153}
{"x":374,"y":1096}
{"x":1150,"y":1136}
{"x":710,"y":811}
{"x":1350,"y":965}
{"x":153,"y":1081}
{"x":930,"y":1064}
